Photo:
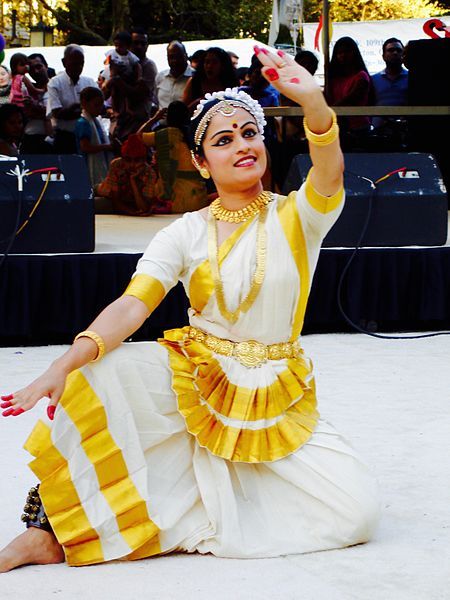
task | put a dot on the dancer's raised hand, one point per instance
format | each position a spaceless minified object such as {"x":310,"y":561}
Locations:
{"x":287,"y":76}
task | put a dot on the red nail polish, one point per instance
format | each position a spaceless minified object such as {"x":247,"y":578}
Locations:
{"x":294,"y":80}
{"x":10,"y":397}
{"x":264,"y":51}
{"x":18,"y":412}
{"x":5,"y":404}
{"x":51,"y":412}
{"x":8,"y":412}
{"x":272,"y":74}
{"x":281,"y":53}
{"x":256,"y":49}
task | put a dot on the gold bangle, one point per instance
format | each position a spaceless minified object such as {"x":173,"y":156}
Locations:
{"x":322,"y":139}
{"x":95,"y":338}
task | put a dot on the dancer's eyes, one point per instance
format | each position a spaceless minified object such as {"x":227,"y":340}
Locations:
{"x":250,"y":132}
{"x":223,"y":140}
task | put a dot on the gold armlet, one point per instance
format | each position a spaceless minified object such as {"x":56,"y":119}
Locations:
{"x":95,"y":338}
{"x":322,"y":139}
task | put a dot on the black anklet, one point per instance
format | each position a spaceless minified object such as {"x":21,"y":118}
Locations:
{"x":34,"y":513}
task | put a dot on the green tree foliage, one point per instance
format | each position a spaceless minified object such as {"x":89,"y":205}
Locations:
{"x":94,"y":21}
{"x":371,"y":10}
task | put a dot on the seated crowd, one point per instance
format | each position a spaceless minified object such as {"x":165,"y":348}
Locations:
{"x":131,"y":124}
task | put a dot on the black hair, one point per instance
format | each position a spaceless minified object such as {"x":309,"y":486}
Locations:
{"x":123,"y":36}
{"x":38,"y":55}
{"x":89,"y":93}
{"x":335,"y":69}
{"x":227,"y":75}
{"x":178,"y":116}
{"x":17,"y":59}
{"x":309,"y":56}
{"x":242,"y":72}
{"x":198,"y":55}
{"x":391,"y":41}
{"x":139,"y":30}
{"x":6,"y":111}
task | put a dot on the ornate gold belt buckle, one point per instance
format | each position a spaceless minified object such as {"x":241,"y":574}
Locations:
{"x":251,"y":353}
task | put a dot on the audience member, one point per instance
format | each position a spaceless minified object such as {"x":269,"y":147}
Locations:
{"x":22,"y":88}
{"x":258,"y":87}
{"x":129,"y":99}
{"x":234,"y":58}
{"x":126,"y":62}
{"x":308,"y":60}
{"x":92,"y":140}
{"x":196,"y":58}
{"x":11,"y":129}
{"x":5,"y":84}
{"x":130,"y":182}
{"x":50,"y":71}
{"x":170,"y":83}
{"x":242,"y":75}
{"x":38,"y":128}
{"x":349,"y":84}
{"x":391,"y":84}
{"x":213,"y":74}
{"x":64,"y":99}
{"x":139,"y":46}
{"x":179,"y":186}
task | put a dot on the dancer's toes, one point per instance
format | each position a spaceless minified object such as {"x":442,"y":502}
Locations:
{"x":32,"y":547}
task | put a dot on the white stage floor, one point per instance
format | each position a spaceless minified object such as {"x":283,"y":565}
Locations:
{"x":390,"y":398}
{"x":116,"y":233}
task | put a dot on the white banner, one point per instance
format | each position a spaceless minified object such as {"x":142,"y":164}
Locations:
{"x":369,"y":35}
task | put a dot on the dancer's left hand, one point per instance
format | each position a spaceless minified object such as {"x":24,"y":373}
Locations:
{"x":288,"y":77}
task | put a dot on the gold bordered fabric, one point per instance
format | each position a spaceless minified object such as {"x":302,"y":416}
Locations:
{"x":228,"y":410}
{"x":97,"y":468}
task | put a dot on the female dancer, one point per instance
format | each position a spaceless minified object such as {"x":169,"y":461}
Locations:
{"x":209,"y":439}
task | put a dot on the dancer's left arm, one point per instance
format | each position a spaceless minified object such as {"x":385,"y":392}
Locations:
{"x":295,"y":82}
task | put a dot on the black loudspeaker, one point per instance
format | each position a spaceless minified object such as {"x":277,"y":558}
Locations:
{"x":407,"y":210}
{"x":63,"y":221}
{"x":429,"y":85}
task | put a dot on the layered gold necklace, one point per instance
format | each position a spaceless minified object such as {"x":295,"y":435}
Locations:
{"x":260,"y":269}
{"x":221,"y":213}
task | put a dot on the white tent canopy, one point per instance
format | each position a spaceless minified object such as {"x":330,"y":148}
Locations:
{"x":95,"y":55}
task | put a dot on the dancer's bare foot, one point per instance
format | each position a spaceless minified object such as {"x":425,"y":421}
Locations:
{"x":32,"y":547}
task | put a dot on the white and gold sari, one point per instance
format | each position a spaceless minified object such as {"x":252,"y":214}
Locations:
{"x":168,"y":445}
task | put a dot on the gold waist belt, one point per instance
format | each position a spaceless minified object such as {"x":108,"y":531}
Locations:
{"x":249,"y":353}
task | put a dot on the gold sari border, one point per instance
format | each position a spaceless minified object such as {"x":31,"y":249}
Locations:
{"x":293,"y":231}
{"x":148,"y":289}
{"x":321,"y":203}
{"x":198,"y":397}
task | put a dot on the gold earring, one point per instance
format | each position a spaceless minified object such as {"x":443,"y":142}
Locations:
{"x":204,"y":173}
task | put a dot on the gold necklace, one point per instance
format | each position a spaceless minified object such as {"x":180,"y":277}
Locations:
{"x":258,"y":277}
{"x":221,"y":213}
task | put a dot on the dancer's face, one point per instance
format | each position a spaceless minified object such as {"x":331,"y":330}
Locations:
{"x":234,"y":151}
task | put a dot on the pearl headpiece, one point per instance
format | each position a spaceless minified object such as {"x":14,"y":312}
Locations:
{"x":226,"y":102}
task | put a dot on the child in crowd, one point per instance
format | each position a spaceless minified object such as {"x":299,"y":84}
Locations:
{"x":127,"y":63}
{"x":92,"y":140}
{"x":179,"y":184}
{"x":130,"y":182}
{"x":5,"y":84}
{"x":21,"y":86}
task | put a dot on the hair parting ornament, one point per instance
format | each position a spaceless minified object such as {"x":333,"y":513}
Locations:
{"x":224,"y":102}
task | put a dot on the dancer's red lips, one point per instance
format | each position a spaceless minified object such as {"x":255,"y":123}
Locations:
{"x":246,"y":161}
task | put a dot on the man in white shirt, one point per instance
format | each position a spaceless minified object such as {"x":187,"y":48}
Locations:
{"x":64,"y":99}
{"x":170,"y":84}
{"x":38,"y":126}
